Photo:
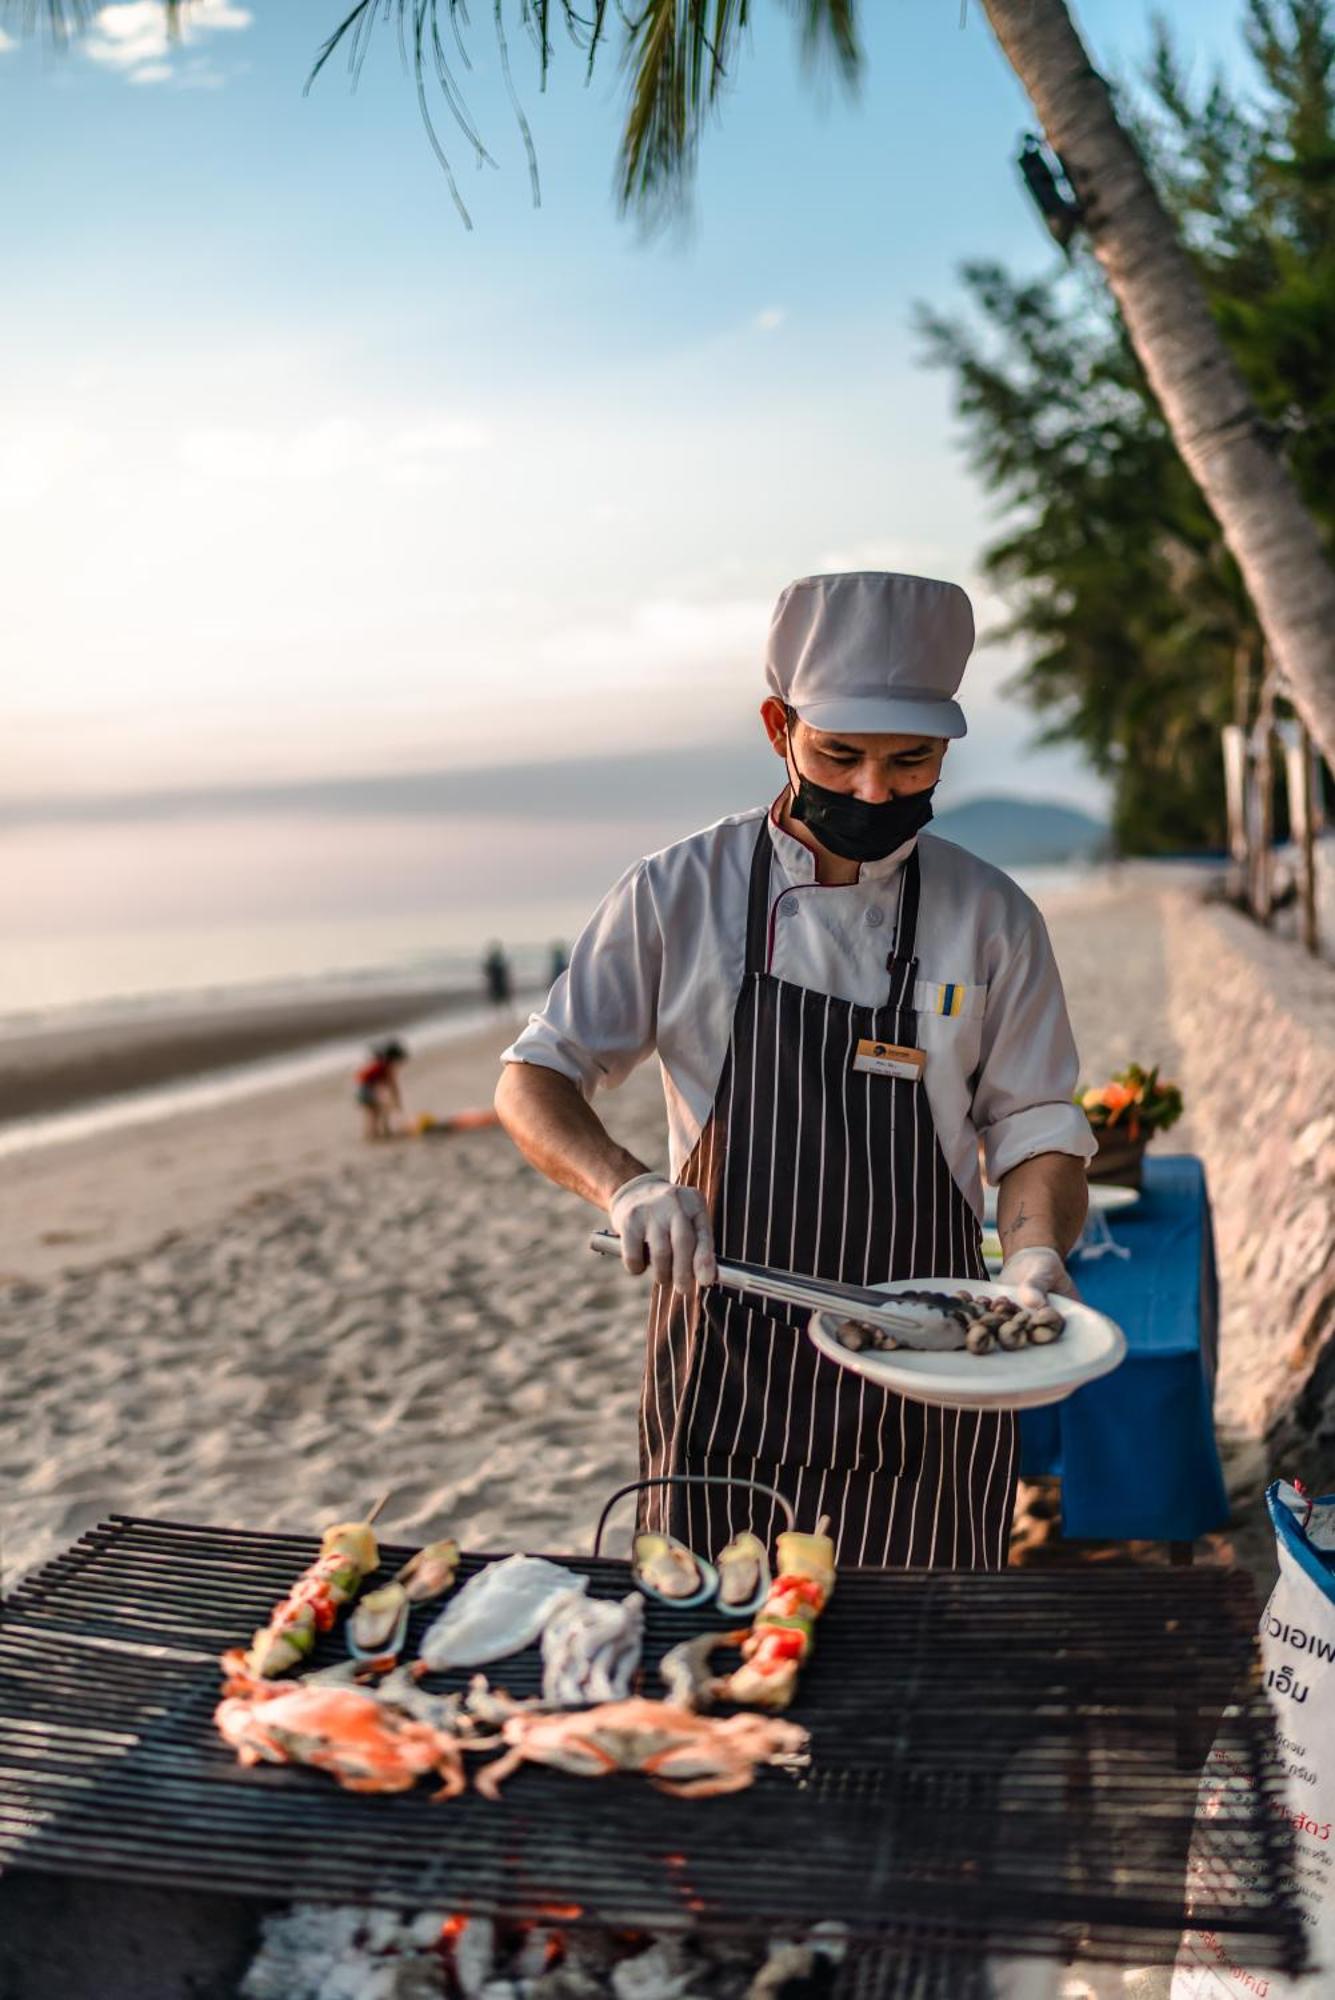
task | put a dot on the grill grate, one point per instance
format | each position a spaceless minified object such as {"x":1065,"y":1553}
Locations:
{"x":1003,"y":1762}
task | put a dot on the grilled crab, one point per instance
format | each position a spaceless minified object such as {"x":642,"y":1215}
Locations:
{"x":690,"y":1756}
{"x":368,"y":1742}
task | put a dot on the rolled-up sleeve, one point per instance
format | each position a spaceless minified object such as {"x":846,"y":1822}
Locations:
{"x":1028,"y":1069}
{"x":600,"y":1018}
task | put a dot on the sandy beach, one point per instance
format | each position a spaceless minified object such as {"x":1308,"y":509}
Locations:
{"x":250,"y":1316}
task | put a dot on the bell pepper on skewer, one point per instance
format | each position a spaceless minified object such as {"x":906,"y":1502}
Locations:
{"x":348,"y":1554}
{"x":784,"y":1630}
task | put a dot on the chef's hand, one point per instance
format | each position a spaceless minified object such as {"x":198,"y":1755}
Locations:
{"x":666,"y":1226}
{"x":1035,"y":1272}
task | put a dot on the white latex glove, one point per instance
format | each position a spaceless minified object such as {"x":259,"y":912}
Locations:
{"x":666,"y":1226}
{"x":1035,"y":1272}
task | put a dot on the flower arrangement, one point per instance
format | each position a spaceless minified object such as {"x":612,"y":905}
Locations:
{"x":1132,"y":1104}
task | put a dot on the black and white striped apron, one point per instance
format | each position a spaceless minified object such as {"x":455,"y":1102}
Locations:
{"x":812,"y":1165}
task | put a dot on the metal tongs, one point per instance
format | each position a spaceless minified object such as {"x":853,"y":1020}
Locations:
{"x":920,"y":1326}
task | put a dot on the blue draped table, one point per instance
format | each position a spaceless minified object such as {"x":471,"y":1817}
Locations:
{"x":1136,"y":1452}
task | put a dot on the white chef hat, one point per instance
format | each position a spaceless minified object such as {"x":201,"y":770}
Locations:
{"x":870,"y":650}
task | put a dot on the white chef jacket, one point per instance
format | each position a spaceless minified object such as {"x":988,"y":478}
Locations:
{"x":660,"y":963}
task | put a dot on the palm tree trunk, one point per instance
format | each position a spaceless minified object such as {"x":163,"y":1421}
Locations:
{"x":1204,"y":399}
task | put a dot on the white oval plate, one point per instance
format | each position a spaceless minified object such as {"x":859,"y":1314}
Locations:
{"x":1105,"y":1198}
{"x":1091,"y":1345}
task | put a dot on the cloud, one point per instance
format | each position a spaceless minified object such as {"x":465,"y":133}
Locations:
{"x":420,"y":451}
{"x":423,"y":454}
{"x":664,"y":636}
{"x":237,"y":452}
{"x":36,"y":457}
{"x":132,"y":38}
{"x":769,"y":318}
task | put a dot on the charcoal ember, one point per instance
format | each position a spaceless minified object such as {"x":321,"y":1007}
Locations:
{"x":535,"y":1949}
{"x":473,"y":1955}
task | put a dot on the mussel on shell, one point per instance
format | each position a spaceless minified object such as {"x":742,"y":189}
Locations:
{"x":666,"y":1569}
{"x":743,"y":1575}
{"x":430,"y":1573}
{"x":379,"y":1624}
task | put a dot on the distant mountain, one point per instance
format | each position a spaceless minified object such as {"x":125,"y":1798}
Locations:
{"x":1022,"y":833}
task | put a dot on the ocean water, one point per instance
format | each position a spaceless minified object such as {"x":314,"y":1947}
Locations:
{"x":138,"y":918}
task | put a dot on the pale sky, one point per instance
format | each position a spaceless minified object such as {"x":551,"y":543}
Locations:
{"x":299,"y":477}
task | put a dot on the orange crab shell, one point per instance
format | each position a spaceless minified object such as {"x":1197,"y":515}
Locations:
{"x":357,"y":1739}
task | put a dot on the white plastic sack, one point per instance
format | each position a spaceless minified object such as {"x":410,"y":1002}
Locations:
{"x":1298,"y":1670}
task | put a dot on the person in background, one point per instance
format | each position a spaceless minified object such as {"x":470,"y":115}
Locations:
{"x":378,"y":1089}
{"x":560,"y":962}
{"x":496,"y":973}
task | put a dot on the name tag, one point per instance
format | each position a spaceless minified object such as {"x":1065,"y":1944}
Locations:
{"x":888,"y":1059}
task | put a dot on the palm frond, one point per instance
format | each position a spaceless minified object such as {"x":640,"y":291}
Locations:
{"x":829,"y":28}
{"x":681,"y":53}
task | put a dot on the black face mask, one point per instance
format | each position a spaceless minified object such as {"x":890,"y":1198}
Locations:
{"x":851,"y":827}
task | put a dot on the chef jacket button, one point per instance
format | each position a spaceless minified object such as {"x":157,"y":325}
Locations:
{"x":790,"y":909}
{"x":875,"y":915}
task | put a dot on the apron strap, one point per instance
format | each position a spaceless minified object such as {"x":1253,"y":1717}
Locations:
{"x":902,"y":964}
{"x":910,"y":895}
{"x":757,"y":908}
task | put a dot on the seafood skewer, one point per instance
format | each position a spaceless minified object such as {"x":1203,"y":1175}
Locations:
{"x":784,"y":1631}
{"x":499,"y":1611}
{"x":590,"y":1649}
{"x":348,"y":1554}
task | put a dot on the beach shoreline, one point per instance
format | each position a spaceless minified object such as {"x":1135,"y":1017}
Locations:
{"x":45,"y":1071}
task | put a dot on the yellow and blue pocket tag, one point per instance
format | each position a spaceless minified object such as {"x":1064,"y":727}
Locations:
{"x":952,"y":999}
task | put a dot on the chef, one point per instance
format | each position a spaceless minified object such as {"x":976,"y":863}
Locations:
{"x":843,"y":1006}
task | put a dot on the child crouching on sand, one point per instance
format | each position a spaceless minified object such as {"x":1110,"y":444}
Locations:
{"x":378,"y":1089}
